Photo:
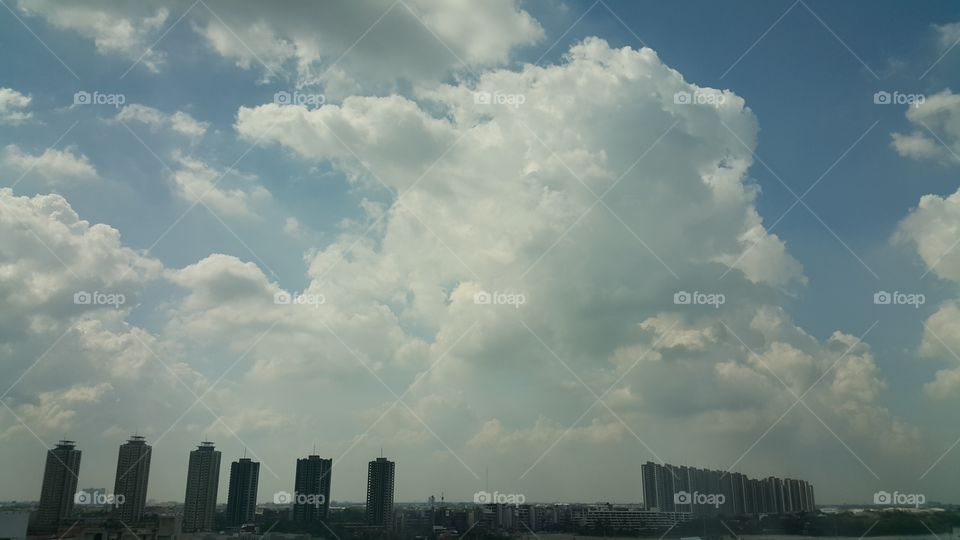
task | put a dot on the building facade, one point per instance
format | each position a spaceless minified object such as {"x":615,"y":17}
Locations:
{"x":380,"y":477}
{"x":242,"y":495}
{"x":203,"y":481}
{"x":704,"y":492}
{"x":59,"y":486}
{"x":312,"y":489}
{"x":133,"y":474}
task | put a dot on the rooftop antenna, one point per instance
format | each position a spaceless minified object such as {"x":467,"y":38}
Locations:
{"x":244,"y":452}
{"x":487,"y":474}
{"x":381,"y":451}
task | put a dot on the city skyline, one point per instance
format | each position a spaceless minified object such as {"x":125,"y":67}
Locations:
{"x":523,"y":246}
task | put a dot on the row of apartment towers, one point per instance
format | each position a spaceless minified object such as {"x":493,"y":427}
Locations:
{"x":704,"y":492}
{"x":310,"y":499}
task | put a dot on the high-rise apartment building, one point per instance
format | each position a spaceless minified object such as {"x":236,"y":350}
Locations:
{"x":380,"y":476}
{"x":59,"y":486}
{"x":133,"y":473}
{"x":242,"y":495}
{"x":203,"y":480}
{"x":312,"y":489}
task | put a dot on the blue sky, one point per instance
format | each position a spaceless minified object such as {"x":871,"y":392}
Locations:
{"x":297,"y":202}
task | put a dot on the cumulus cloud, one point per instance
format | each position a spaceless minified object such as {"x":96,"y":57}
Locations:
{"x":317,"y":43}
{"x":125,"y":31}
{"x":226,"y":192}
{"x":179,"y":122}
{"x":56,"y":167}
{"x":13,"y":106}
{"x":937,"y":136}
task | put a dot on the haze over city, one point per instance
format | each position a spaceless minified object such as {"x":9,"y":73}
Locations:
{"x":521,"y":247}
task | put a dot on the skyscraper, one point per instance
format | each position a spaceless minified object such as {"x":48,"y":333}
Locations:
{"x":203,"y":479}
{"x":312,"y":489}
{"x":380,"y":475}
{"x":133,"y":472}
{"x":242,"y":496}
{"x":59,"y":484}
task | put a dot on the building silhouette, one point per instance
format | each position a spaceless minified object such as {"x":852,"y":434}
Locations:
{"x":242,"y":495}
{"x":59,"y":486}
{"x":203,"y":480}
{"x":703,"y":492}
{"x":133,"y":473}
{"x":312,"y":489}
{"x":380,"y":476}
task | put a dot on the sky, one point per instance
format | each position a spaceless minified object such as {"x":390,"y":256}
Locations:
{"x":520,"y":246}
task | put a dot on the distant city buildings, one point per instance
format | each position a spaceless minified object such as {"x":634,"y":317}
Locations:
{"x":60,"y":475}
{"x":312,"y":489}
{"x":133,"y":473}
{"x":242,"y":494}
{"x":380,"y":478}
{"x":704,"y":492}
{"x":203,"y":480}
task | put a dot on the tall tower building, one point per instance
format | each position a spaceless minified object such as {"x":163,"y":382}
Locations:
{"x":59,"y":484}
{"x":312,"y":489}
{"x":380,"y":475}
{"x":133,"y":472}
{"x":242,"y":496}
{"x":203,"y":479}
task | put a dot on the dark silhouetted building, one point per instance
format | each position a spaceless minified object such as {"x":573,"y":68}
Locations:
{"x":312,"y":489}
{"x":59,"y":486}
{"x":133,"y":473}
{"x":380,"y":476}
{"x":703,"y":492}
{"x":242,"y":495}
{"x":203,"y":480}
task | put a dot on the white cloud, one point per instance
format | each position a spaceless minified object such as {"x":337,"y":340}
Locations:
{"x":225,"y":192}
{"x":125,"y":30}
{"x":56,"y":167}
{"x":311,"y":39}
{"x":937,"y":136}
{"x":180,"y":122}
{"x":12,"y":107}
